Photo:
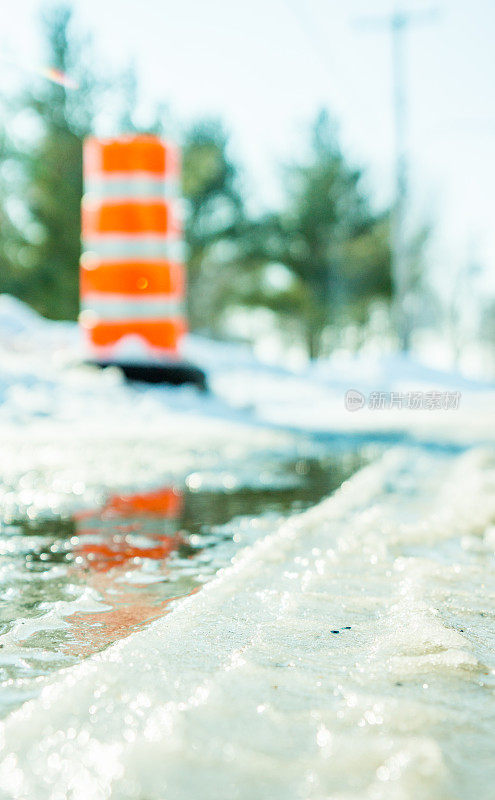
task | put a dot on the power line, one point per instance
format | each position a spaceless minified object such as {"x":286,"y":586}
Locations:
{"x":398,"y":24}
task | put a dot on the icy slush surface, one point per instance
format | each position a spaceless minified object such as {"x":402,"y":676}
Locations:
{"x":348,"y":654}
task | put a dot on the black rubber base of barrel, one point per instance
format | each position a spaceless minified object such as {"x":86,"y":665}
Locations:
{"x":174,"y":374}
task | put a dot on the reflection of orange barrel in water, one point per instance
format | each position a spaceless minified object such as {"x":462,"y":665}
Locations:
{"x":127,"y":531}
{"x":132,"y":271}
{"x":107,"y":537}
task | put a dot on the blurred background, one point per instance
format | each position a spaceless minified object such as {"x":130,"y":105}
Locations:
{"x":338,"y":163}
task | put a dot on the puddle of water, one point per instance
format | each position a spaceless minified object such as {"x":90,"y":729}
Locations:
{"x":70,"y":588}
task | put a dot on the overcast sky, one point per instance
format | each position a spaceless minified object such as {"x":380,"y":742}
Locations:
{"x":265,"y":66}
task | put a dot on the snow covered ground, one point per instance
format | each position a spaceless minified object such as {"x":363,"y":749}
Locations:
{"x":43,"y":386}
{"x":347,"y":654}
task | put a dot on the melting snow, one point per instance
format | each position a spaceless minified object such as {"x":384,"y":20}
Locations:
{"x":347,"y":654}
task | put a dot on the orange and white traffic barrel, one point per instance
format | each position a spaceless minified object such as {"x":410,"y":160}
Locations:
{"x":132,"y":282}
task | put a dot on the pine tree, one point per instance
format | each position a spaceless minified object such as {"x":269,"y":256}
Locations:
{"x":214,"y":220}
{"x":334,"y":248}
{"x":12,"y":243}
{"x":330,"y":239}
{"x":54,"y":169}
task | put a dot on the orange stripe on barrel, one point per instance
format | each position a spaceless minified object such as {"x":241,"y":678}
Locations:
{"x":140,"y":278}
{"x":145,"y":154}
{"x":127,"y":217}
{"x":162,"y":334}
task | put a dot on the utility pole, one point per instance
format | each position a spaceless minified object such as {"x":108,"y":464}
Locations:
{"x":398,"y":23}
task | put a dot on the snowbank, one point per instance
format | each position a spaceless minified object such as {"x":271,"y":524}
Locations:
{"x":348,"y":654}
{"x":42,"y":376}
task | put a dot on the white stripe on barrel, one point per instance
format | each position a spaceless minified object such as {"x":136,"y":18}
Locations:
{"x":121,"y":306}
{"x":118,"y":246}
{"x":134,"y":186}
